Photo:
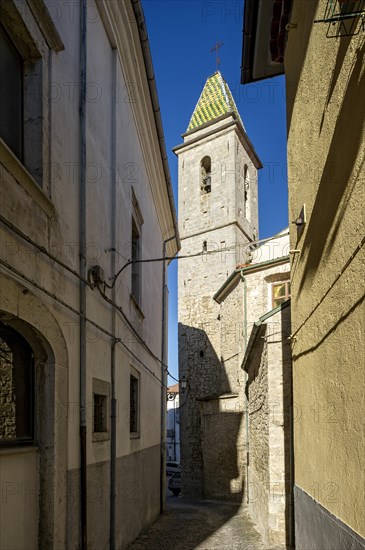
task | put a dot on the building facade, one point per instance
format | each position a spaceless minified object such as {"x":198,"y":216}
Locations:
{"x":325,"y":80}
{"x":85,"y":190}
{"x":218,"y":218}
{"x":264,"y":288}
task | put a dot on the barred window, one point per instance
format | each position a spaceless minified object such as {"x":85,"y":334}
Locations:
{"x":134,"y":405}
{"x":100,"y":413}
{"x":16,"y":388}
{"x":137,"y":266}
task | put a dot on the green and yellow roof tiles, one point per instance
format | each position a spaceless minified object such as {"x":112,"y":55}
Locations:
{"x":215,"y":100}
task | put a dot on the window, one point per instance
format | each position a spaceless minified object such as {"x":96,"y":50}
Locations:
{"x":134,"y":404}
{"x":27,"y":34}
{"x":206,"y":175}
{"x":101,"y":390}
{"x":246,"y":184}
{"x":11,"y":95}
{"x":136,"y":252}
{"x":280,"y":293}
{"x":136,"y":267}
{"x":22,"y":100}
{"x":16,"y":388}
{"x":100,"y":412}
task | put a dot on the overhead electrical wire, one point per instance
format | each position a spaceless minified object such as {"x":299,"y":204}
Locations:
{"x":76,"y":312}
{"x":340,"y":273}
{"x":91,"y":285}
{"x":195,"y":255}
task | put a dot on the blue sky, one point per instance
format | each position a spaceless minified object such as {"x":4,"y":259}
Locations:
{"x":181,"y":33}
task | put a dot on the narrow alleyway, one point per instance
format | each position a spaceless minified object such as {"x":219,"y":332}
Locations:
{"x":203,"y":525}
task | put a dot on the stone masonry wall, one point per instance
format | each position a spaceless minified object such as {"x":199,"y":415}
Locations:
{"x":259,"y":420}
{"x":269,"y":391}
{"x":209,"y":336}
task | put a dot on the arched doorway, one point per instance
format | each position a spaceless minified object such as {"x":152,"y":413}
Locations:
{"x":33,"y":424}
{"x":19,"y":458}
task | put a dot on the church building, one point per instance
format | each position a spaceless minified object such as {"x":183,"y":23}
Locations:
{"x":218,"y":213}
{"x":234,"y":324}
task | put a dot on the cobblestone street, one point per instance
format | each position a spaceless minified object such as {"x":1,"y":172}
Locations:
{"x":201,"y":525}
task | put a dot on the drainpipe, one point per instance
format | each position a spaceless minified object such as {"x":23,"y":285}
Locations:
{"x":163,"y":382}
{"x":82,"y":268}
{"x":113,"y":442}
{"x":246,"y":377}
{"x":175,"y":428}
{"x":113,"y":400}
{"x":292,"y":463}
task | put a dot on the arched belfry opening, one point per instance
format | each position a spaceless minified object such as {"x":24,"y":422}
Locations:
{"x":246,"y":185}
{"x":206,"y":175}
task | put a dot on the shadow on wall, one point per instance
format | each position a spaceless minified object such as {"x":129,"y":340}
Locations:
{"x":288,"y":425}
{"x":309,"y":8}
{"x":211,"y":451}
{"x":270,"y":404}
{"x":338,"y":180}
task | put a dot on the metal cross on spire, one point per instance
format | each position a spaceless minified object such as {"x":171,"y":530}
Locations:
{"x":216,"y":49}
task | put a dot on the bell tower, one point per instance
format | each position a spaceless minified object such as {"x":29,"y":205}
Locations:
{"x":218,"y":215}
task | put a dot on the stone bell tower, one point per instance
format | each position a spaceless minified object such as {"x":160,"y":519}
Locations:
{"x":218,"y":215}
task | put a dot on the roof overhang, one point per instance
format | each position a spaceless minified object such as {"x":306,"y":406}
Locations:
{"x":256,"y":329}
{"x":232,"y":281}
{"x":214,"y":127}
{"x":264,"y":35}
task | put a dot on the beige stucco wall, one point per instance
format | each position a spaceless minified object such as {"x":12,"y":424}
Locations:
{"x":19,"y":499}
{"x":326,"y":143}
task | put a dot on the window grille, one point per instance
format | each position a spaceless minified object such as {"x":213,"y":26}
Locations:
{"x":344,"y":18}
{"x":16,"y":388}
{"x":100,"y":413}
{"x":133,"y":404}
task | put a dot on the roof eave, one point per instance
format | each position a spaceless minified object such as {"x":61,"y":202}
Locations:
{"x":209,"y":123}
{"x":229,"y":283}
{"x":252,"y":59}
{"x":143,"y":35}
{"x":235,"y":122}
{"x":256,"y":329}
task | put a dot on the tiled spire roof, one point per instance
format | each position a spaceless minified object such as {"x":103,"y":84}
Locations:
{"x":215,"y":100}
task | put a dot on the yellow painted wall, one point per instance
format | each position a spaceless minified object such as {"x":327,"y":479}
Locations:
{"x":326,"y":151}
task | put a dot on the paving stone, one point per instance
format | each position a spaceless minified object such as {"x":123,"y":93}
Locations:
{"x":202,"y":525}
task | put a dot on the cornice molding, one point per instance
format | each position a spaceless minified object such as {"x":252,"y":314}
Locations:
{"x":121,"y":27}
{"x":45,"y":23}
{"x":213,"y":129}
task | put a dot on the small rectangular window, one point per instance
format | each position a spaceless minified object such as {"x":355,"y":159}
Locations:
{"x":100,"y":413}
{"x":280,"y":293}
{"x":134,"y":405}
{"x":100,"y":403}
